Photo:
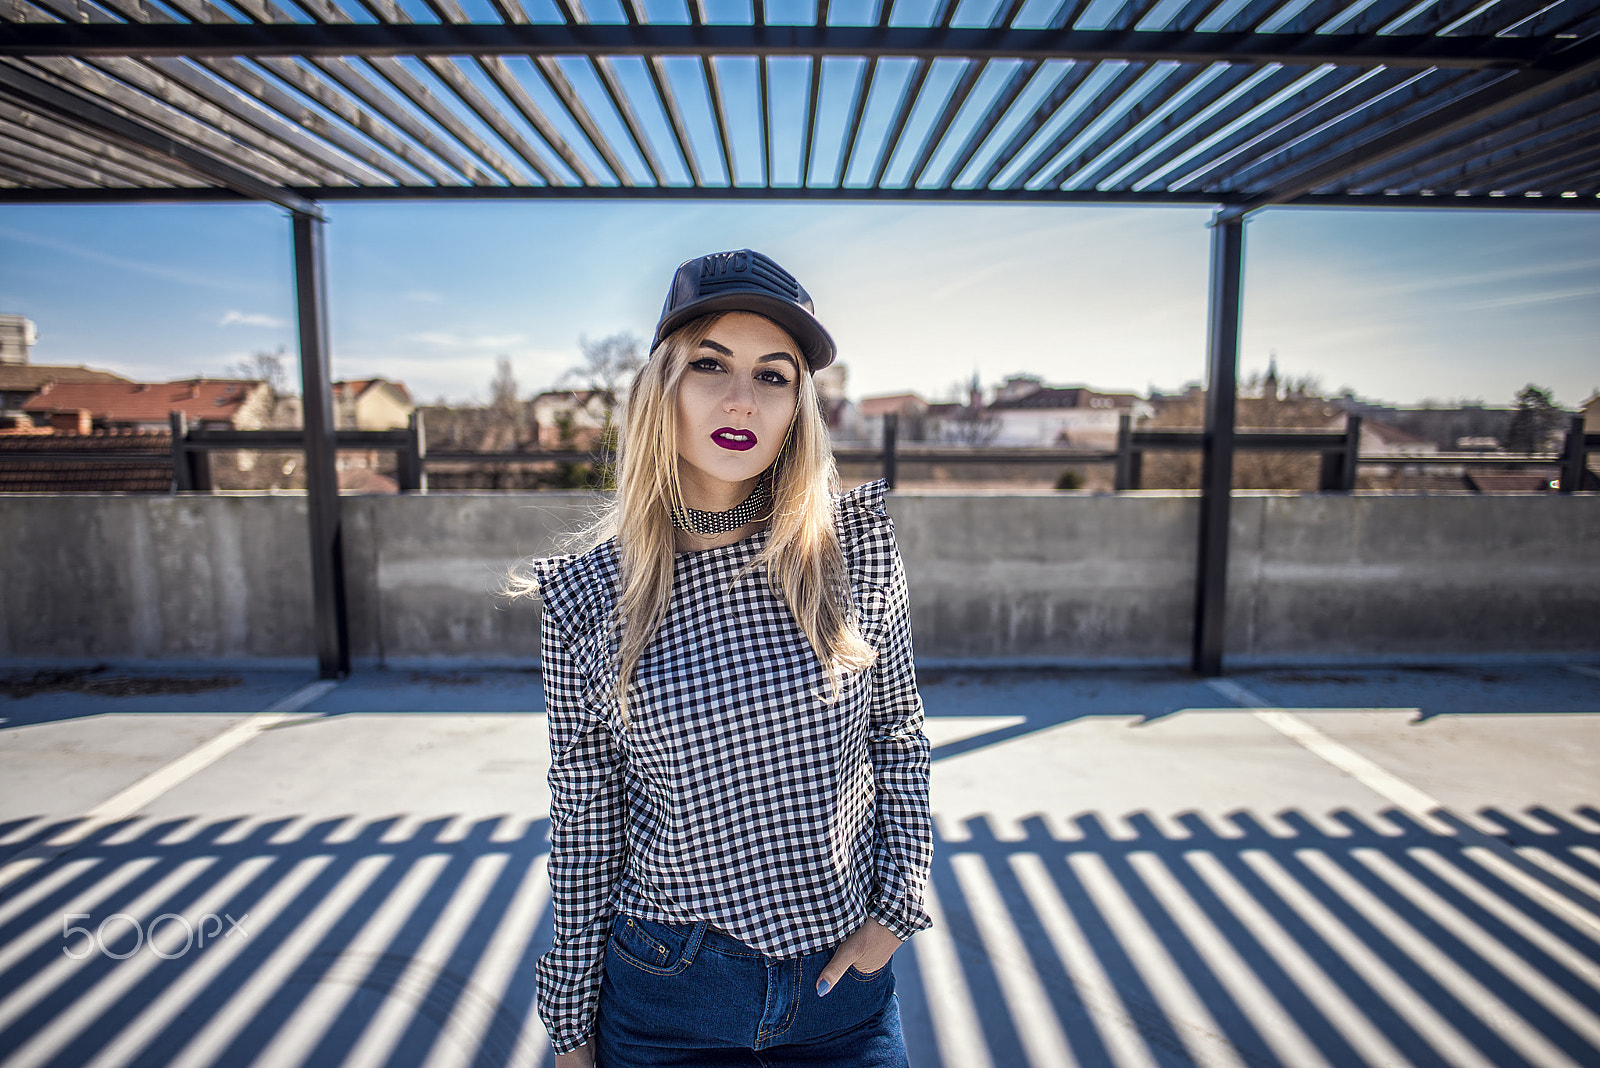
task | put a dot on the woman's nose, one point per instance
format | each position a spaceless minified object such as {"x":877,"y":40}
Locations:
{"x":740,"y":397}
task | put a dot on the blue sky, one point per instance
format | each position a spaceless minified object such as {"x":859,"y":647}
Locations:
{"x":1398,"y":305}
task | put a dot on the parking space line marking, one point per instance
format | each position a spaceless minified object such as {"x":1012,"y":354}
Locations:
{"x":1418,"y":803}
{"x":158,"y":782}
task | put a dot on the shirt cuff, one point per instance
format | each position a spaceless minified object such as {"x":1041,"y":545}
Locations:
{"x":567,"y":1043}
{"x":902,"y":923}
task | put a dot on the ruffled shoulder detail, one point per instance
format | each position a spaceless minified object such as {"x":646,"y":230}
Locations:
{"x":866,"y":533}
{"x":578,"y":589}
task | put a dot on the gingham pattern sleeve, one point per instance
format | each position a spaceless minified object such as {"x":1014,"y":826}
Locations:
{"x":903,"y":827}
{"x":587,"y":844}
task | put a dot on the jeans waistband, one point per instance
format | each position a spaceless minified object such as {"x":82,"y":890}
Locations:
{"x":715,"y":938}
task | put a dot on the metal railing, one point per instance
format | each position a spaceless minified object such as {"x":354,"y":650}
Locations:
{"x":191,"y":451}
{"x":1340,"y":451}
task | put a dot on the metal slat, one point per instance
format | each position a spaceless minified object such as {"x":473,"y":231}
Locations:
{"x":1007,"y":95}
{"x":580,"y":114}
{"x":80,"y":78}
{"x":392,"y":71}
{"x":1114,"y":90}
{"x":1345,"y":146}
{"x":1380,"y":13}
{"x":309,"y":135}
{"x":675,"y":118}
{"x":280,"y":141}
{"x":908,"y":100}
{"x":813,"y":97}
{"x":1574,"y":66}
{"x":1296,"y":113}
{"x":858,"y":110}
{"x":1179,"y":123}
{"x":54,"y":168}
{"x":1485,"y":170}
{"x":1108,"y":146}
{"x":1464,"y":150}
{"x":247,"y":81}
{"x":47,"y":132}
{"x":941,"y":125}
{"x":1435,"y":17}
{"x":1534,"y":173}
{"x":1417,"y":95}
{"x":65,"y":104}
{"x":348,"y":77}
{"x":764,"y":109}
{"x":491,"y":116}
{"x":346,"y":106}
{"x":147,"y":78}
{"x":20,"y":142}
{"x":630,"y":119}
{"x":1073,"y":77}
{"x":512,"y":87}
{"x":713,"y":84}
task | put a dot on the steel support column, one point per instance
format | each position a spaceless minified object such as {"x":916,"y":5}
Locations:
{"x":1216,"y":455}
{"x":330,"y":620}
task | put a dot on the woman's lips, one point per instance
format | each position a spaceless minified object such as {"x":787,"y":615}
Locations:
{"x":737,"y":440}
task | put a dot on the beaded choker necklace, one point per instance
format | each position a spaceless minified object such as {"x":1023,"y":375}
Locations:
{"x":708,"y":523}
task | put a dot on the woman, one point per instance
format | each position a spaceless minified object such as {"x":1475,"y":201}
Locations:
{"x":740,"y":834}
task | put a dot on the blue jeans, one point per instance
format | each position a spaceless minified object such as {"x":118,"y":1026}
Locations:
{"x":689,"y":995}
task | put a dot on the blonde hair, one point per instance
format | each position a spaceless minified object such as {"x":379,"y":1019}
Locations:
{"x":802,"y":559}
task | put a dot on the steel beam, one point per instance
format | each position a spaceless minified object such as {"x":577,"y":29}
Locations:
{"x":1216,"y":448}
{"x":195,"y":194}
{"x":77,"y":111}
{"x":593,"y":39}
{"x":330,"y":621}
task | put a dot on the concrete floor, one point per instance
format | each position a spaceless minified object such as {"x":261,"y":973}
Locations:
{"x":1304,"y":868}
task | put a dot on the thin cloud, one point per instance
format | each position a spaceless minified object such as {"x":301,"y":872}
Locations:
{"x":423,"y":296}
{"x":96,"y":256}
{"x":239,"y":318}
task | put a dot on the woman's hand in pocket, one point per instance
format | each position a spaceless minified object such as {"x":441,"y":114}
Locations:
{"x":867,"y":949}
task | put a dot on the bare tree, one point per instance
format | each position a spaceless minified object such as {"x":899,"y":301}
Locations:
{"x":972,"y":424}
{"x":607,"y":366}
{"x":263,"y":367}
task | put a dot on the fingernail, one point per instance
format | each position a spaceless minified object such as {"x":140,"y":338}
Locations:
{"x":823,"y":986}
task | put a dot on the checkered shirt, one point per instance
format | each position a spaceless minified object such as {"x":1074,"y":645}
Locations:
{"x":739,"y":793}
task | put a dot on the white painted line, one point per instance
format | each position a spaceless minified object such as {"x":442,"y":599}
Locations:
{"x":158,"y":782}
{"x":1585,"y":669}
{"x":1417,"y":803}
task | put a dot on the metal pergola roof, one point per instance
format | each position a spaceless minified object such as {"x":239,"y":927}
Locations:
{"x":1243,"y":103}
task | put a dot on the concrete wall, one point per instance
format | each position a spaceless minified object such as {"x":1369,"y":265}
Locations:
{"x":1044,"y":576}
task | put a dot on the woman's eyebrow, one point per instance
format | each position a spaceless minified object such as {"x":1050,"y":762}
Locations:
{"x":774,"y":357}
{"x":709,"y":344}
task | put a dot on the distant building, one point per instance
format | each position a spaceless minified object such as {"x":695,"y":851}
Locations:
{"x":20,"y":381}
{"x":371,"y":404}
{"x":842,"y":415}
{"x":910,"y":409}
{"x":1590,"y":410}
{"x":1030,"y":413}
{"x":17,"y":338}
{"x":219,"y":403}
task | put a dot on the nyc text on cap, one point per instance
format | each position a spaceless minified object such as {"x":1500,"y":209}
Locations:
{"x":746,"y":280}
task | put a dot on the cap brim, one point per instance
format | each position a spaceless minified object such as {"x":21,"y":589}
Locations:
{"x":816,"y":344}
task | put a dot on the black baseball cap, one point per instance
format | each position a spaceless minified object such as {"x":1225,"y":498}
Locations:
{"x":745,"y":280}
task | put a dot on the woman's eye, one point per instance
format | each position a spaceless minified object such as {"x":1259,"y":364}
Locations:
{"x":777,"y":378}
{"x":706,"y":363}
